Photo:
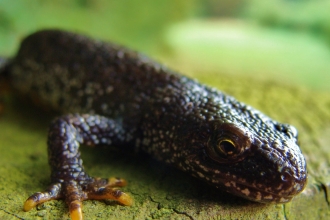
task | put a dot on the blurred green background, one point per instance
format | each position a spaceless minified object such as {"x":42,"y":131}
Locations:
{"x":281,"y":40}
{"x":251,"y":49}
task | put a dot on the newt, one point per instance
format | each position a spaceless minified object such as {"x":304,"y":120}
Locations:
{"x":113,"y":96}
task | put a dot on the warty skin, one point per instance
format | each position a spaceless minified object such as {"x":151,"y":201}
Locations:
{"x":114,"y":96}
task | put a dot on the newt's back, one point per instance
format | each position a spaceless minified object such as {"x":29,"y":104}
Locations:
{"x":73,"y":73}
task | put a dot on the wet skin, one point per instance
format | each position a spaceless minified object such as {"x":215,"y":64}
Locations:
{"x":113,"y":96}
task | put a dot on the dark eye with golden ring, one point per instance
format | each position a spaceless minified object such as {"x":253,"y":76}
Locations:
{"x":228,"y":143}
{"x":226,"y":147}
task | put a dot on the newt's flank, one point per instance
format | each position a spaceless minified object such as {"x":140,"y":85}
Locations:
{"x":113,"y":96}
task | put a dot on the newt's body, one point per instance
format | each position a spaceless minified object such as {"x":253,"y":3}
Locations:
{"x":122,"y":98}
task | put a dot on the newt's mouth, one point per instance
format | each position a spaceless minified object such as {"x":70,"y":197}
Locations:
{"x":263,"y":193}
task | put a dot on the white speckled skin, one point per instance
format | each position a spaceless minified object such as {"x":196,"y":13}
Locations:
{"x":127,"y":98}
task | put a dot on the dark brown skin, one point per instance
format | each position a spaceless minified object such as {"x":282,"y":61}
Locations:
{"x":121,"y":98}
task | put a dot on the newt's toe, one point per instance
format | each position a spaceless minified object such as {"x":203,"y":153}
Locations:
{"x":125,"y":199}
{"x":111,"y":193}
{"x":75,"y":208}
{"x":116,"y":182}
{"x":40,"y":197}
{"x":30,"y":203}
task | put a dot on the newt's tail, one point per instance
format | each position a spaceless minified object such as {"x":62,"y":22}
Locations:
{"x":3,"y":81}
{"x":4,"y":76}
{"x":3,"y":68}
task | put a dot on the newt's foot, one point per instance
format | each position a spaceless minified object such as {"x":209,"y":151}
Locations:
{"x":74,"y":193}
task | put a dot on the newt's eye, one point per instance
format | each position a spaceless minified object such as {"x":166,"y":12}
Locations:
{"x":226,"y":147}
{"x":228,"y":143}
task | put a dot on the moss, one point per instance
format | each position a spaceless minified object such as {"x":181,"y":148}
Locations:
{"x":161,"y":192}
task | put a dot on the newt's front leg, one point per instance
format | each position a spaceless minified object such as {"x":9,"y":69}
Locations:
{"x":68,"y":178}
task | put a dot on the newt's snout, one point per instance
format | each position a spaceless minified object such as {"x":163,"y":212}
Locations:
{"x":278,"y":173}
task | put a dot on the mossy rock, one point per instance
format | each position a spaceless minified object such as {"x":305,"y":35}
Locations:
{"x":159,"y":191}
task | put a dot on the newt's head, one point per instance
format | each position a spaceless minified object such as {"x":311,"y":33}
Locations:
{"x":252,"y":156}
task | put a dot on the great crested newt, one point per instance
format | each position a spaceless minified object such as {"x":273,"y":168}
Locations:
{"x":111,"y":95}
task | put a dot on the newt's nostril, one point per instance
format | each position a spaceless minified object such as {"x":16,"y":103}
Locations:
{"x":286,"y":175}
